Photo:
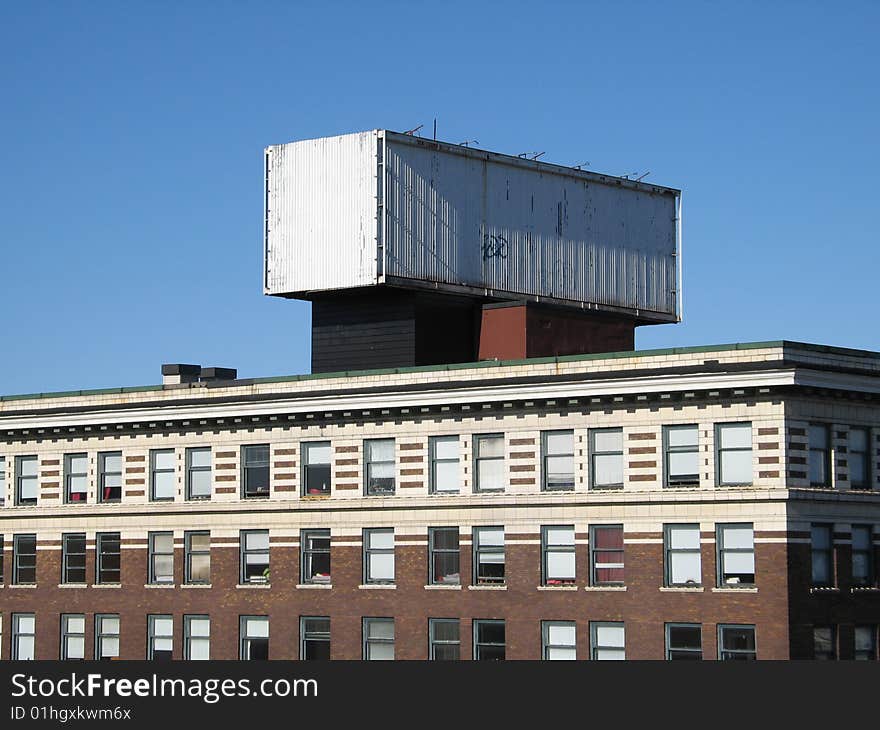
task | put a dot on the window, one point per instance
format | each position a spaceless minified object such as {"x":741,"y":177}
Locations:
{"x":444,"y":453}
{"x":445,"y":556}
{"x":160,"y":637}
{"x":106,"y":636}
{"x":73,"y":558}
{"x":110,"y":476}
{"x":489,"y":463}
{"x":557,"y":460}
{"x":488,"y":640}
{"x":445,"y":639}
{"x":161,"y":557}
{"x":736,"y":643}
{"x":608,"y":640}
{"x":379,"y":556}
{"x":733,"y":456}
{"x":820,"y":454}
{"x":606,"y":458}
{"x":76,"y":477}
{"x":23,"y":635}
{"x":378,"y":639}
{"x":558,"y":640}
{"x":315,"y":553}
{"x":858,"y":459}
{"x":255,"y":471}
{"x":489,"y":556}
{"x":26,"y":480}
{"x":824,"y":643}
{"x":681,"y":456}
{"x":2,"y":481}
{"x":254,"y":556}
{"x":866,"y":643}
{"x":197,"y":549}
{"x":254,"y":638}
{"x":314,"y":643}
{"x":736,"y":555}
{"x":196,"y":637}
{"x":682,"y":550}
{"x":606,"y":555}
{"x":316,"y":468}
{"x":198,"y":473}
{"x":108,"y":558}
{"x":822,"y":555}
{"x":379,"y":466}
{"x":684,"y":641}
{"x":557,"y":550}
{"x":863,"y":555}
{"x":24,"y":559}
{"x":73,"y":636}
{"x":162,"y":467}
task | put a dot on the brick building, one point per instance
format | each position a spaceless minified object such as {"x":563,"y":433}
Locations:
{"x":710,"y":502}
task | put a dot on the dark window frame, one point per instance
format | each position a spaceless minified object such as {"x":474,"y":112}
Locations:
{"x":546,"y":455}
{"x":433,"y":461}
{"x":596,"y":647}
{"x":833,"y":651}
{"x":369,"y":551}
{"x":369,"y":641}
{"x":687,"y":652}
{"x":479,"y":646}
{"x":103,"y":473}
{"x":245,"y":638}
{"x":594,"y":452}
{"x":371,"y":489}
{"x":16,"y":634}
{"x":66,"y":634}
{"x":867,"y":552}
{"x":306,"y":448}
{"x":244,"y":551}
{"x":865,"y":480}
{"x":308,"y":634}
{"x":684,"y":480}
{"x":547,"y":548}
{"x":70,"y":475}
{"x":478,"y":438}
{"x":824,"y":454}
{"x":189,"y":553}
{"x":200,"y":469}
{"x":480,"y":549}
{"x":155,"y":471}
{"x":189,"y":638}
{"x":21,"y":501}
{"x":721,"y":450}
{"x":153,"y":636}
{"x":154,"y":553}
{"x":828,"y":551}
{"x":66,"y":554}
{"x":595,"y":551}
{"x":252,"y":468}
{"x":18,"y":554}
{"x":721,"y":550}
{"x":434,"y":643}
{"x":547,"y":647}
{"x":669,"y":551}
{"x":307,"y":576}
{"x":100,"y":539}
{"x":435,"y":552}
{"x":101,"y":633}
{"x":750,"y":654}
{"x":871,"y":653}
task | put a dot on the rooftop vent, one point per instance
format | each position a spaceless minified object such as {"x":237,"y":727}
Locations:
{"x":177,"y":373}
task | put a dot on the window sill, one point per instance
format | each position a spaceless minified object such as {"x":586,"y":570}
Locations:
{"x":22,"y":585}
{"x":254,"y":586}
{"x":744,"y":589}
{"x":106,"y":585}
{"x":487,"y":588}
{"x":444,"y":587}
{"x":864,"y":589}
{"x":159,"y":585}
{"x":315,"y":586}
{"x":73,"y":585}
{"x":315,"y":496}
{"x":195,"y":585}
{"x":682,"y":589}
{"x":378,"y":586}
{"x":604,"y":588}
{"x":824,"y":589}
{"x":557,"y":588}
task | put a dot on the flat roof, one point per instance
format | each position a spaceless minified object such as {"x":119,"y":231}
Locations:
{"x":781,"y":344}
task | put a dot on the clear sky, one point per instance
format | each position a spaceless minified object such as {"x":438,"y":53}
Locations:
{"x":132,"y":137}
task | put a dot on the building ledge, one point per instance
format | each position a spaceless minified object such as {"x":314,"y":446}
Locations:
{"x":315,"y":586}
{"x":195,"y":585}
{"x":605,"y":588}
{"x":864,"y":589}
{"x":73,"y":585}
{"x":824,"y":589}
{"x":442,"y":587}
{"x":557,"y":588}
{"x":159,"y":585}
{"x":378,"y":586}
{"x":22,"y":585}
{"x":106,"y":585}
{"x":682,"y":589}
{"x":254,"y":586}
{"x":487,"y":588}
{"x":749,"y":589}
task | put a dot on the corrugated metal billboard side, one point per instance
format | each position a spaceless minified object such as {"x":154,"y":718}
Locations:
{"x":461,"y":220}
{"x":320,"y":214}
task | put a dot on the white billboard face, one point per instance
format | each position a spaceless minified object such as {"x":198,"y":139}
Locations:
{"x":468,"y":220}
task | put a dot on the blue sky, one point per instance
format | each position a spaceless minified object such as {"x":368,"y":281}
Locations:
{"x":132,"y":137}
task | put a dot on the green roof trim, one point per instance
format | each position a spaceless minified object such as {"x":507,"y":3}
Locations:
{"x":784,"y":344}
